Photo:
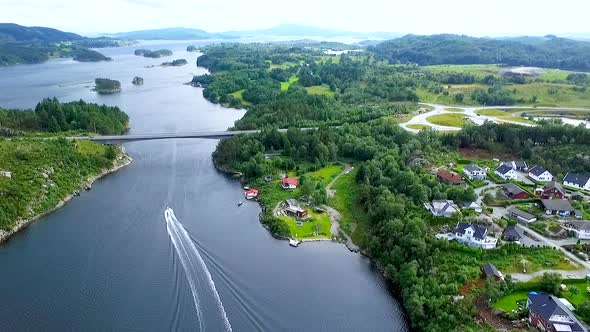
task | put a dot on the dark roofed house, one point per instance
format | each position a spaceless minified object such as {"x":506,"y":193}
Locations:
{"x":557,"y":206}
{"x":490,"y":271}
{"x":577,"y":181}
{"x":506,"y":172}
{"x":548,"y":313}
{"x":521,"y":215}
{"x":449,"y":177}
{"x":514,"y":192}
{"x":512,"y":234}
{"x":540,"y":174}
{"x":474,"y":235}
{"x":552,"y":190}
{"x":581,"y":228}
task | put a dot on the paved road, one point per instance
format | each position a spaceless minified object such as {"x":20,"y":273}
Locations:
{"x":550,"y":243}
{"x":471,"y":112}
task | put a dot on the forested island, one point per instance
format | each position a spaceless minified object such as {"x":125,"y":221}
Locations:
{"x":107,"y":86}
{"x":152,"y":54}
{"x":32,"y":45}
{"x":38,"y":174}
{"x":356,"y":101}
{"x":137,"y":80}
{"x":191,"y":48}
{"x":175,"y":63}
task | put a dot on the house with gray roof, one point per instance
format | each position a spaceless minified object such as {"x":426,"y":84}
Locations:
{"x":580,"y":228}
{"x":490,"y":271}
{"x":442,"y":208}
{"x":474,"y":172}
{"x":557,"y":206}
{"x":577,"y":181}
{"x":521,"y":216}
{"x":548,"y":313}
{"x":512,"y":234}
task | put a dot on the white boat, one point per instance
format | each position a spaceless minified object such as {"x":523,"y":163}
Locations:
{"x":294,"y":243}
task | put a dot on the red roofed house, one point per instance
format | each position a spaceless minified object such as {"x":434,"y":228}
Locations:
{"x":251,"y":194}
{"x":449,"y":177}
{"x":290,"y":183}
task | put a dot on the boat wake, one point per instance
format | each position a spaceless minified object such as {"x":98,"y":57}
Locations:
{"x":195,"y":269}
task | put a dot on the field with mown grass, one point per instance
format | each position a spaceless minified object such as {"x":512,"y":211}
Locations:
{"x":322,"y":90}
{"x":285,"y":85}
{"x":418,"y":126}
{"x":326,"y":174}
{"x":449,"y":120}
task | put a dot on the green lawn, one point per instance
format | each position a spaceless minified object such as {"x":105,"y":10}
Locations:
{"x":449,"y":120}
{"x":345,"y":201}
{"x":326,"y":174}
{"x":551,"y":75}
{"x":508,"y":302}
{"x":418,"y":126}
{"x":320,"y":90}
{"x":516,"y":119}
{"x":456,"y":110}
{"x":239,"y":95}
{"x":576,"y":299}
{"x":493,"y":112}
{"x":306,"y":231}
{"x":285,"y":85}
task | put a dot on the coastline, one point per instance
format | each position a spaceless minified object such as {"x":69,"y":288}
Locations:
{"x":122,"y":161}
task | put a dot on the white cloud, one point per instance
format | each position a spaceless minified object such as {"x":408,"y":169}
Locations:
{"x":473,"y":17}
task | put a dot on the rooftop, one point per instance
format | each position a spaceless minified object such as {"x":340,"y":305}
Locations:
{"x":557,"y":205}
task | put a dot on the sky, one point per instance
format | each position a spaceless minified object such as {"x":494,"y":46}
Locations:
{"x":470,"y":17}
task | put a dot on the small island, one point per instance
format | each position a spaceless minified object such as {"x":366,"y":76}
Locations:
{"x":175,"y":63}
{"x":87,"y":55}
{"x":137,"y":80}
{"x":107,"y":86}
{"x":191,"y":48}
{"x":152,"y":54}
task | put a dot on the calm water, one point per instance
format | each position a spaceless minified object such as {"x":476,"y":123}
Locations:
{"x":106,"y":261}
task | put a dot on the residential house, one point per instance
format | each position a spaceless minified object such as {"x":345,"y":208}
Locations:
{"x":517,"y":165}
{"x":521,"y":216}
{"x":472,"y":206}
{"x":293,"y":209}
{"x":442,"y":208}
{"x":490,"y":271}
{"x":548,"y":313}
{"x":577,"y":181}
{"x":551,"y":190}
{"x":474,"y":172}
{"x":540,"y":174}
{"x":512,"y":234}
{"x":581,"y":228}
{"x":289,"y":183}
{"x":514,"y":192}
{"x":506,"y":172}
{"x":474,"y":235}
{"x":557,"y":206}
{"x":449,"y":177}
{"x":251,"y":193}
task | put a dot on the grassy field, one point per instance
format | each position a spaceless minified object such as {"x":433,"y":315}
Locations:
{"x":285,"y":85}
{"x":466,"y":89}
{"x":345,"y":201}
{"x":320,"y":90}
{"x":418,"y":126}
{"x":319,"y":223}
{"x":238,"y":95}
{"x":456,"y":110}
{"x":493,"y":112}
{"x":552,"y":94}
{"x":551,"y":75}
{"x":508,"y":302}
{"x":326,"y":174}
{"x":284,"y":65}
{"x":479,"y":71}
{"x":516,"y":119}
{"x":449,"y":120}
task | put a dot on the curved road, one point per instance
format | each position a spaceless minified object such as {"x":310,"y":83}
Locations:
{"x":470,"y":111}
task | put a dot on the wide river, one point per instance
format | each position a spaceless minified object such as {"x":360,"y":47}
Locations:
{"x":106,"y":261}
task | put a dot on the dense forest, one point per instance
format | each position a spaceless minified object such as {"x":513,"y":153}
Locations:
{"x":549,"y":52}
{"x":52,"y":116}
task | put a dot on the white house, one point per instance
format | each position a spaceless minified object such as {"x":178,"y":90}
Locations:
{"x":442,"y":208}
{"x":474,"y":172}
{"x":577,"y":181}
{"x":581,"y":228}
{"x":540,"y":174}
{"x":517,"y":165}
{"x":474,"y":235}
{"x":472,"y":206}
{"x":506,"y":172}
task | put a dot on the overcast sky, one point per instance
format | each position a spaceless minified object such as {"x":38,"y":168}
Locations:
{"x":472,"y":17}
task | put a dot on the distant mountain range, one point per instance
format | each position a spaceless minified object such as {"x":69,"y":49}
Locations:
{"x":284,"y":30}
{"x":10,"y":32}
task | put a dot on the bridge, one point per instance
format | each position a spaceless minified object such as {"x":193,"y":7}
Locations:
{"x":118,"y":139}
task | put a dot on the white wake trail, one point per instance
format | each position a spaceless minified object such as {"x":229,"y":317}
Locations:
{"x":195,"y":267}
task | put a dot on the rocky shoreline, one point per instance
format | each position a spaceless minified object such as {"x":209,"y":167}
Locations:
{"x":121,"y":162}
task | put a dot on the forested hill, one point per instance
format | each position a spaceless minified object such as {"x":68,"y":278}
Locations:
{"x":10,"y":32}
{"x":550,"y":52}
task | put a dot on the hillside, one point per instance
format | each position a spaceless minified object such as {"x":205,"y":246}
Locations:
{"x":10,"y":32}
{"x":165,"y":34}
{"x":547,"y":52}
